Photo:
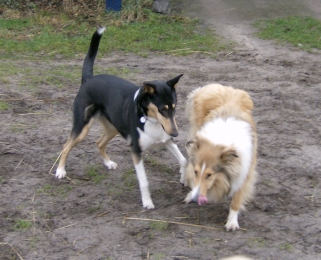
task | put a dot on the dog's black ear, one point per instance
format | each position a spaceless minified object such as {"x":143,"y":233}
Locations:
{"x":173,"y":82}
{"x":149,"y":88}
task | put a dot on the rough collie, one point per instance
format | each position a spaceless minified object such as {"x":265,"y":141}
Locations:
{"x":222,"y":148}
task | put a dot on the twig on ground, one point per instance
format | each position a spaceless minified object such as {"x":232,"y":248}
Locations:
{"x":64,"y":227}
{"x":164,"y":180}
{"x":179,"y":50}
{"x":19,"y":164}
{"x":101,"y":214}
{"x":55,"y":162}
{"x":14,"y":124}
{"x":173,"y":222}
{"x":13,"y":249}
{"x":22,"y":99}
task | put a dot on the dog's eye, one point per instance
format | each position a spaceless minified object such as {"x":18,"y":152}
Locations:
{"x":195,"y":173}
{"x":164,"y":109}
{"x":208,"y":175}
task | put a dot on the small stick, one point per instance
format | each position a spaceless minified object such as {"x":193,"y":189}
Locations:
{"x":183,"y":217}
{"x":19,"y":164}
{"x":35,"y":113}
{"x":13,"y":249}
{"x":55,"y":162}
{"x":179,"y":50}
{"x":20,"y":99}
{"x":163,"y":180}
{"x":64,"y":227}
{"x":101,"y":214}
{"x":14,"y":124}
{"x":173,"y":222}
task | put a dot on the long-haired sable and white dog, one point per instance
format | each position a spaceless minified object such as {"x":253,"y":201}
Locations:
{"x":222,"y":151}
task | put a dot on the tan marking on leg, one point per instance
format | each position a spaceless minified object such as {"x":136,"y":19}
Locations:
{"x":73,"y":142}
{"x":109,"y":133}
{"x":136,"y":158}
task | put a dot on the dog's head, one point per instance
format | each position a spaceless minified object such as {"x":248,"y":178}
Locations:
{"x":158,"y":101}
{"x":211,"y":169}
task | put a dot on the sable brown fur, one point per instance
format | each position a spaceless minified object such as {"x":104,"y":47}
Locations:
{"x":214,"y":168}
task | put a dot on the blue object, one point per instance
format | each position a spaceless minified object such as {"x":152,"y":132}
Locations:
{"x":113,"y":5}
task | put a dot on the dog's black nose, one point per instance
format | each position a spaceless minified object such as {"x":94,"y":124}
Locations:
{"x":174,"y":133}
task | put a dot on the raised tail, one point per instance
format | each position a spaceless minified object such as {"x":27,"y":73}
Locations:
{"x":88,"y":66}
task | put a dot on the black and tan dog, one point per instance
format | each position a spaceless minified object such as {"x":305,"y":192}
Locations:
{"x":145,"y":116}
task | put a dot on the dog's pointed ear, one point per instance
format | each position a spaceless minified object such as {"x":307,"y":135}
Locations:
{"x":228,"y":155}
{"x":149,"y":87}
{"x":173,"y":82}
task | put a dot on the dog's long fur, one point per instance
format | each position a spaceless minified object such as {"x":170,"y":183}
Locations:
{"x":145,"y":116}
{"x":223,"y":148}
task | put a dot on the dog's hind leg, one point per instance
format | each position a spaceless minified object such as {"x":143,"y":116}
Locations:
{"x":109,"y":133}
{"x":143,"y":182}
{"x":72,"y":141}
{"x":172,"y":147}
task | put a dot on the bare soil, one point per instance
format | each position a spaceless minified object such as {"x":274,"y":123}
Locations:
{"x":97,"y":214}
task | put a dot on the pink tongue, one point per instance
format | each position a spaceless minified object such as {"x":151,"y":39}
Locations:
{"x":202,"y":200}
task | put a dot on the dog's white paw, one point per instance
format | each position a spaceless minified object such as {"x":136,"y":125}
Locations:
{"x":232,"y":226}
{"x":60,"y":173}
{"x":232,"y":222}
{"x":182,"y":180}
{"x":188,"y":198}
{"x":110,"y":165}
{"x":148,"y":204}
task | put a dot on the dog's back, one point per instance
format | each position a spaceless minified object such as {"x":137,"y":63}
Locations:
{"x":213,"y":101}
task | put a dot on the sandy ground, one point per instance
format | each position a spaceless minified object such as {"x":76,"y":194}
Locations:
{"x":97,"y":214}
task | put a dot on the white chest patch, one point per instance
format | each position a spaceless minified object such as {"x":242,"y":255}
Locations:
{"x":152,"y":135}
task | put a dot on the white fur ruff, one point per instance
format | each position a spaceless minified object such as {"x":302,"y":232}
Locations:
{"x":234,"y":134}
{"x":152,"y":135}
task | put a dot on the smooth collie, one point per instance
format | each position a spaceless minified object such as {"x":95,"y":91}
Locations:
{"x":222,"y":148}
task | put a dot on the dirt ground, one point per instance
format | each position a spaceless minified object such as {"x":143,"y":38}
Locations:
{"x":97,"y":214}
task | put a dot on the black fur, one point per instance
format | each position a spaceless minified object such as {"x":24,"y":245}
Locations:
{"x":123,"y":108}
{"x":113,"y":98}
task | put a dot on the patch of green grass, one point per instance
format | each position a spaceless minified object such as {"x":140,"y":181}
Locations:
{"x":93,"y":172}
{"x":17,"y":129}
{"x":159,"y":226}
{"x":256,"y":242}
{"x":159,"y":165}
{"x":58,"y":35}
{"x":158,"y":256}
{"x":22,"y":224}
{"x":33,"y":241}
{"x":3,"y":105}
{"x":303,"y":32}
{"x":52,"y":190}
{"x":56,"y":76}
{"x":286,"y":246}
{"x":94,"y":208}
{"x":129,"y":178}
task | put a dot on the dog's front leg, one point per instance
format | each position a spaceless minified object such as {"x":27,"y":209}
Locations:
{"x":172,"y":147}
{"x":143,"y":182}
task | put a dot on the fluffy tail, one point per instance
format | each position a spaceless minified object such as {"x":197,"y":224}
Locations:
{"x":88,"y":66}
